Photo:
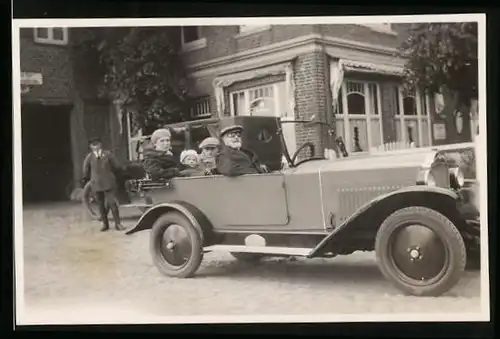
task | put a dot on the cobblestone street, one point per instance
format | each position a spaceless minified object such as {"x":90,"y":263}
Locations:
{"x":68,"y":263}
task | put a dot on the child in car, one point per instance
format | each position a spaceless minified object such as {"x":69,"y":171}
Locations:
{"x":191,"y":160}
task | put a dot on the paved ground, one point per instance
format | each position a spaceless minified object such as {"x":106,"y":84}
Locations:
{"x":69,"y":263}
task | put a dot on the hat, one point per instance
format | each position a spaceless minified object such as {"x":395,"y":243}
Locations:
{"x":187,"y":153}
{"x":230,"y":128}
{"x":159,"y":133}
{"x":95,"y":140}
{"x":209,"y":142}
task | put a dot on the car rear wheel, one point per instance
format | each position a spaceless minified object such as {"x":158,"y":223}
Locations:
{"x":420,"y":251}
{"x":247,"y":257}
{"x":89,"y":202}
{"x":176,"y":246}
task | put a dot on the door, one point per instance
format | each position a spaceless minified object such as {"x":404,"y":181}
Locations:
{"x":247,"y":200}
{"x":47,"y":167}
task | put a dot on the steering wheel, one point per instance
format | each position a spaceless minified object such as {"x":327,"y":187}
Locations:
{"x":312,"y":148}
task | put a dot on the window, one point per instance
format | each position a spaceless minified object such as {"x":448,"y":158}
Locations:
{"x":135,"y":142}
{"x":381,"y":27}
{"x":412,"y":118}
{"x":249,"y":29}
{"x":191,"y":38}
{"x":269,"y":100}
{"x":51,"y":35}
{"x":201,"y":108}
{"x":358,"y":119}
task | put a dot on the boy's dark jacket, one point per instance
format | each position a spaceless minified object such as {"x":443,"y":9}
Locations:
{"x":160,"y":165}
{"x":101,"y":171}
{"x":232,"y":162}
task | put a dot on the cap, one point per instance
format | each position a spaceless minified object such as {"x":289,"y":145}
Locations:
{"x":209,"y":142}
{"x":95,"y":140}
{"x":230,"y":128}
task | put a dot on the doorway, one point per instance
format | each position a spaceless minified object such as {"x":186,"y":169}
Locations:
{"x":47,"y":167}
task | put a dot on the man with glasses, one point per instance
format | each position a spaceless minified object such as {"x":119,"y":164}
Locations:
{"x":233,"y":160}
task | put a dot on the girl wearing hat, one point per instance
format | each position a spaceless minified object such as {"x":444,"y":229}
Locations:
{"x":159,"y":161}
{"x":191,"y":160}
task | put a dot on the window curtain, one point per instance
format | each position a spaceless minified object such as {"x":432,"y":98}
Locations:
{"x":336,"y":79}
{"x":222,"y":82}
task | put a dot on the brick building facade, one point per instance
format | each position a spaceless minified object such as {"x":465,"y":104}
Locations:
{"x":59,"y":114}
{"x":290,"y":71}
{"x":348,"y":75}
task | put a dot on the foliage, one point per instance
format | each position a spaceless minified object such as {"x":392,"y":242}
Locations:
{"x":443,"y":54}
{"x":142,"y":68}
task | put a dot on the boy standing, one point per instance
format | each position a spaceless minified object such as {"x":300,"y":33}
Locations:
{"x":100,"y":167}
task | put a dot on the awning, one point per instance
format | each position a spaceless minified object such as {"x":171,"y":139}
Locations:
{"x":367,"y":67}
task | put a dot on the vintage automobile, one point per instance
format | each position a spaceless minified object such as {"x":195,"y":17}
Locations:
{"x":133,"y":183}
{"x":405,"y":206}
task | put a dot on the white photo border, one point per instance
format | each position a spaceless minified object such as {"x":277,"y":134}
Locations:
{"x":125,"y":317}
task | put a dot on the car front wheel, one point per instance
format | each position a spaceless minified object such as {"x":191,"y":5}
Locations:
{"x":176,"y":246}
{"x":420,"y":251}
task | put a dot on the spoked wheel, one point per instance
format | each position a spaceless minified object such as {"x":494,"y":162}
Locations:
{"x":176,"y":246}
{"x":90,"y":203}
{"x":247,"y":257}
{"x":420,"y":251}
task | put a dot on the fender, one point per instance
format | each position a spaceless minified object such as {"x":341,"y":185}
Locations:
{"x":376,"y":210}
{"x":193,"y":214}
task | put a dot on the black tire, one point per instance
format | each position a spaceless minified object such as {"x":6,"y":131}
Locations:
{"x":449,"y":246}
{"x":89,"y":203}
{"x":159,"y":252}
{"x":473,"y":260}
{"x":247,"y":257}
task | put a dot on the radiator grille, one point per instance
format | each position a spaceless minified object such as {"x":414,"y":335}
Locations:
{"x":351,"y":199}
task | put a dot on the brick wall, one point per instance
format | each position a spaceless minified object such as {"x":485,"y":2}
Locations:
{"x":311,"y":92}
{"x":225,"y":40}
{"x":360,"y":34}
{"x":53,"y":62}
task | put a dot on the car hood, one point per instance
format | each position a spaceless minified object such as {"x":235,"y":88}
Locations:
{"x":415,"y":158}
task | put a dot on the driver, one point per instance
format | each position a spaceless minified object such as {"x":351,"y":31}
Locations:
{"x":233,"y":160}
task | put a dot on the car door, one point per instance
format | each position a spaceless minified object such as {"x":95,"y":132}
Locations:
{"x":247,"y":200}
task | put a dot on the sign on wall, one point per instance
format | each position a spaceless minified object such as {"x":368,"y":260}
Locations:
{"x":29,"y":78}
{"x":439,"y":130}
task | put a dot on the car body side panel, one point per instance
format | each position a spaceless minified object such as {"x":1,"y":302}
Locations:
{"x":344,"y":192}
{"x":304,"y":201}
{"x":232,"y":202}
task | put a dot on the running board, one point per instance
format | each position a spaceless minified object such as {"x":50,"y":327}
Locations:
{"x":135,"y":205}
{"x":260,"y":249}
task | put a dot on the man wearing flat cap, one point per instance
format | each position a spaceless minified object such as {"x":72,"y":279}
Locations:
{"x":233,"y":160}
{"x":209,"y":148}
{"x":100,"y":167}
{"x":159,"y":161}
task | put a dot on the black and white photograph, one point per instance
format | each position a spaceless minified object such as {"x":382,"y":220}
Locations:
{"x":249,"y":170}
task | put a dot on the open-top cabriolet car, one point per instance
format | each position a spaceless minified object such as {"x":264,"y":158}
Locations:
{"x":405,"y":206}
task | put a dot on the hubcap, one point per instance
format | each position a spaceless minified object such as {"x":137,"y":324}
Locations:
{"x":418,"y":253}
{"x":175,"y":245}
{"x":414,"y":254}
